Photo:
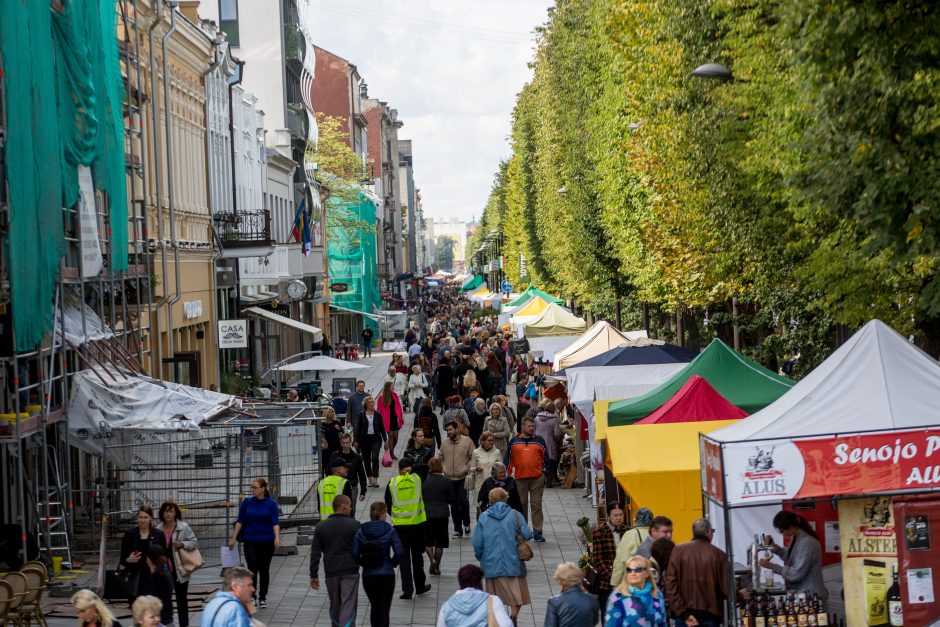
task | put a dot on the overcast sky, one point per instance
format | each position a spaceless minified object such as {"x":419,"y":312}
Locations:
{"x":452,"y":68}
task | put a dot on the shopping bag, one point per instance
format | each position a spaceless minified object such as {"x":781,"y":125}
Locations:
{"x":387,"y":459}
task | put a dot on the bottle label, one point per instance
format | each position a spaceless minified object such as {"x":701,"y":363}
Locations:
{"x":895,"y":613}
{"x":822,"y":619}
{"x":781,"y":619}
{"x":759,"y":621}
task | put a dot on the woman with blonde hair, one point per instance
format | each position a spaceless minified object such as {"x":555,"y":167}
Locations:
{"x":637,"y":600}
{"x":92,"y":612}
{"x":573,"y":606}
{"x":146,"y":611}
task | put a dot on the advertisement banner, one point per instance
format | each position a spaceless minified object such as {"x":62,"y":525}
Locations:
{"x":712,"y":480}
{"x":92,"y":260}
{"x":819,"y":467}
{"x":869,"y":559}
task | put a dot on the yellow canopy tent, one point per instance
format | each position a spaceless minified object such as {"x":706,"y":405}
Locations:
{"x":533,"y":308}
{"x":658,"y":466}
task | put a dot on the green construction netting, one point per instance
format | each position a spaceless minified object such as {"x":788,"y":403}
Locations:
{"x":352,"y":259}
{"x":63,"y":95}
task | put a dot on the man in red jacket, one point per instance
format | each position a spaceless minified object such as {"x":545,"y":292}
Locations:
{"x":525,"y":460}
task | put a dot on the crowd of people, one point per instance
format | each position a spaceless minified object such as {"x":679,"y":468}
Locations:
{"x":466,"y":438}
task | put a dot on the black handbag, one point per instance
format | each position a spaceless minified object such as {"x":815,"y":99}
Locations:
{"x":120,"y":584}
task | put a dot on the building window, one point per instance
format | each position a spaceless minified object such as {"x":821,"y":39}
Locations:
{"x":228,"y":16}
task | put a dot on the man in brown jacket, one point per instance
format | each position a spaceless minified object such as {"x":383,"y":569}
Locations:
{"x":697,"y":579}
{"x":456,"y":453}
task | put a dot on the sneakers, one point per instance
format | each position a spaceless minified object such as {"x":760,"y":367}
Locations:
{"x":262,"y":603}
{"x":466,"y":530}
{"x":425,"y":590}
{"x":405,"y":595}
{"x":457,"y":534}
{"x":539,"y":537}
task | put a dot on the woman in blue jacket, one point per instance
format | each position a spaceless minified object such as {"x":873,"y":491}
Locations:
{"x":494,"y":544}
{"x":378,"y":581}
{"x":259,"y":525}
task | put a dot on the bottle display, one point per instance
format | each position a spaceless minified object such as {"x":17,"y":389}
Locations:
{"x":895,"y":609}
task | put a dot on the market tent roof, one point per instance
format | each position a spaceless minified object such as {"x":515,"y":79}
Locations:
{"x":533,"y":308}
{"x":742,"y":382}
{"x":534,"y":291}
{"x":257,"y":312}
{"x":696,"y":401}
{"x":473,"y":283}
{"x":320,"y":363}
{"x":877,"y":381}
{"x":544,"y":347}
{"x":585,"y":385}
{"x":633,"y":355}
{"x":658,"y":465}
{"x":600,"y":338}
{"x":555,"y":321}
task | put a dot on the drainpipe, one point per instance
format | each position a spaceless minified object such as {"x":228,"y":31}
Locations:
{"x":157,"y":355}
{"x":167,"y":118}
{"x":217,"y":61}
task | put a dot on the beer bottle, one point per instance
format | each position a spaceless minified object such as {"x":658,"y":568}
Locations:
{"x":781,"y":613}
{"x":895,"y":609}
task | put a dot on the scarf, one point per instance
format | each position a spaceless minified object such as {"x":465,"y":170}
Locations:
{"x":644,"y":602}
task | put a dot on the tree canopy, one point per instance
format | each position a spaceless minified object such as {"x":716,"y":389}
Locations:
{"x":804,"y":189}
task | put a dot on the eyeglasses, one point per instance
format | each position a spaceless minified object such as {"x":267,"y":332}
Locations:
{"x":635,"y":569}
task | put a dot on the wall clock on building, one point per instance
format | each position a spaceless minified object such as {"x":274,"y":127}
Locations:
{"x":296,"y":289}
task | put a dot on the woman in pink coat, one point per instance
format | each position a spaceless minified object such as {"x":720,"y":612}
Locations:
{"x":389,"y":406}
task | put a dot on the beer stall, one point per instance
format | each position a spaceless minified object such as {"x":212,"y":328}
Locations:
{"x":855,"y":448}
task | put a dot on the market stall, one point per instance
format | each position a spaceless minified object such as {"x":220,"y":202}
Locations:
{"x":531,"y":292}
{"x":472,"y":283}
{"x":551,"y":331}
{"x":600,"y":338}
{"x":862,"y":430}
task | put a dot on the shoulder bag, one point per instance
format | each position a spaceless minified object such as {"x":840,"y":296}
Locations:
{"x":522,"y":545}
{"x":190,"y":560}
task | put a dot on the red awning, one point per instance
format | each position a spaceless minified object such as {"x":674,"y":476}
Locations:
{"x":696,"y":401}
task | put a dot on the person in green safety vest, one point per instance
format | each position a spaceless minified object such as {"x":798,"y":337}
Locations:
{"x":332,"y":486}
{"x":406,"y":504}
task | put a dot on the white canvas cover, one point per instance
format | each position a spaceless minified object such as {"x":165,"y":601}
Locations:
{"x":545,"y":347}
{"x":600,"y":338}
{"x":586,"y":385}
{"x":556,"y":321}
{"x":877,"y":381}
{"x":320,"y":363}
{"x":118,"y":411}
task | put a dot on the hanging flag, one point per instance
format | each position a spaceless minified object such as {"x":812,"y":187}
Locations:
{"x":301,"y":229}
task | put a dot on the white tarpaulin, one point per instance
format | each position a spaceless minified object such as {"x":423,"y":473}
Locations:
{"x":320,"y":363}
{"x":585,"y":385}
{"x":547,"y":347}
{"x":600,"y":338}
{"x":69,"y":321}
{"x":123,"y":409}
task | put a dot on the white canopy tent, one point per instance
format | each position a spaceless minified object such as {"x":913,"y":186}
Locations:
{"x":586,"y":385}
{"x":600,"y":338}
{"x":320,"y":363}
{"x":546,"y":348}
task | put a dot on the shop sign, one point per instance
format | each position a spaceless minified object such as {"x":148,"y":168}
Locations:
{"x":192,"y":309}
{"x":819,"y":467}
{"x":339,"y":287}
{"x":712,"y":480}
{"x":233,"y":334}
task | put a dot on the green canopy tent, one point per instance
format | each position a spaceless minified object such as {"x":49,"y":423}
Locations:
{"x":531,"y":292}
{"x":473,"y":283}
{"x":744,"y":383}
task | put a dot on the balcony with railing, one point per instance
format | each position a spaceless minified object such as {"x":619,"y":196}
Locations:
{"x":244,"y":233}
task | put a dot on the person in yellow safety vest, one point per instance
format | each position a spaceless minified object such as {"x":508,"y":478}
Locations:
{"x":404,"y":501}
{"x":332,"y":486}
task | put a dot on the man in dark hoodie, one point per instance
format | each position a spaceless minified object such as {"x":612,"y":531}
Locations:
{"x":332,"y":540}
{"x":378,"y":581}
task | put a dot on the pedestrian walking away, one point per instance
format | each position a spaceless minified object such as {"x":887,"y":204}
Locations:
{"x":333,"y":542}
{"x":438,"y":493}
{"x":176,"y":536}
{"x":573,"y":607}
{"x":405,"y":501}
{"x":258,"y":526}
{"x":525,"y":460}
{"x":229,"y":608}
{"x":547,"y":428}
{"x":378,"y":551}
{"x":470,"y":606}
{"x":495,"y":546}
{"x":456,"y":453}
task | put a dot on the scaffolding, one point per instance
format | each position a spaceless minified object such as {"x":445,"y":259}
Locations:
{"x":45,"y":487}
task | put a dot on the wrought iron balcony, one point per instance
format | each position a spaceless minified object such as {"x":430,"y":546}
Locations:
{"x":245,"y":233}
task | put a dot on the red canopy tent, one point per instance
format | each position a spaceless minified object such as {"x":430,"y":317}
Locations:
{"x":696,"y":401}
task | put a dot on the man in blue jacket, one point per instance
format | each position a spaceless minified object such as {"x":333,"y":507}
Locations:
{"x":469,"y":607}
{"x":229,"y":608}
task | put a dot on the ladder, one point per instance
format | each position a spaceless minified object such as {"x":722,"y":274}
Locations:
{"x":52,"y":503}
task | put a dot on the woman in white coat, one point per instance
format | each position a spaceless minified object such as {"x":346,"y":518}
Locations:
{"x":497,"y":424}
{"x":416,"y":384}
{"x":175,"y":536}
{"x":481,"y":462}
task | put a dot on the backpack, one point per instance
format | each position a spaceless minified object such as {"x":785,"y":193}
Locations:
{"x":370,"y":554}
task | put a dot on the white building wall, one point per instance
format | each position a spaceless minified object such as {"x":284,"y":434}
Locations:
{"x":248,"y":140}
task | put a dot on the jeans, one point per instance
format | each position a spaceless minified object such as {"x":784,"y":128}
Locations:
{"x":367,"y":349}
{"x":258,"y":557}
{"x":460,"y":510}
{"x":379,"y":589}
{"x":412,"y":561}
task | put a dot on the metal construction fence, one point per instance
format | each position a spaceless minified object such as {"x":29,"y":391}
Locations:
{"x":208,"y":477}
